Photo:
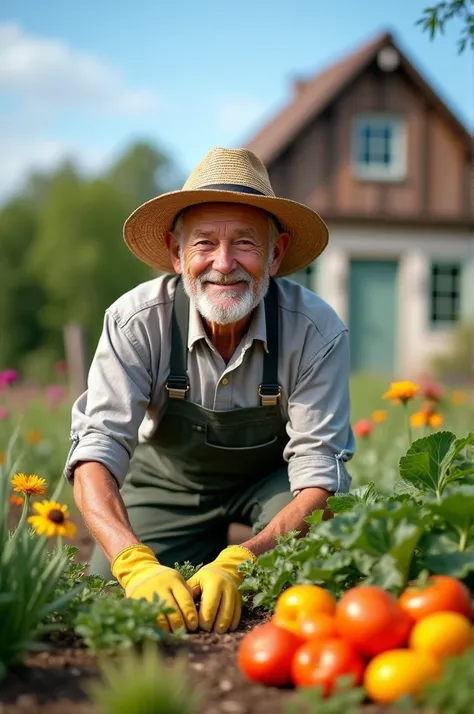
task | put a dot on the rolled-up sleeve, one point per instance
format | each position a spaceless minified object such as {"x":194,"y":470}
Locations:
{"x":105,"y":419}
{"x":321,"y":440}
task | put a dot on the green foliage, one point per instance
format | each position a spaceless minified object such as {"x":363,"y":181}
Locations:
{"x":187,"y":569}
{"x":436,"y":17}
{"x":453,"y":693}
{"x":384,"y":541}
{"x":144,"y":684}
{"x":344,"y":699}
{"x":29,"y":576}
{"x":92,"y":587}
{"x":112,"y":625}
{"x":62,"y":255}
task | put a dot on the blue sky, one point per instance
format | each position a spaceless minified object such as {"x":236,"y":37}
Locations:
{"x":85,"y":79}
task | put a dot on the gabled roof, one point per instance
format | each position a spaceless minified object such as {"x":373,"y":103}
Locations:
{"x":315,"y":95}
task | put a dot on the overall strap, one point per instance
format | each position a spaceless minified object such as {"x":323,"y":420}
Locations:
{"x":178,"y":384}
{"x":270,"y":391}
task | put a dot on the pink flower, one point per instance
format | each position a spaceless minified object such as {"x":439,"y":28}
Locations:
{"x":55,"y":393}
{"x":9,"y":376}
{"x":4,"y":413}
{"x":363,"y":428}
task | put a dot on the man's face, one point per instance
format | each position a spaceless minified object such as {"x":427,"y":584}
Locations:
{"x":226,"y":259}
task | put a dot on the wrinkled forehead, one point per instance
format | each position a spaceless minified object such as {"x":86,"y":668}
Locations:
{"x":238,"y":216}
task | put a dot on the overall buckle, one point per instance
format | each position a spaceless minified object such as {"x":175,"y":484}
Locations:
{"x":269,"y":394}
{"x":177,"y":387}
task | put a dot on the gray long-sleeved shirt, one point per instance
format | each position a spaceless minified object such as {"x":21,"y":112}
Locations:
{"x":126,"y":396}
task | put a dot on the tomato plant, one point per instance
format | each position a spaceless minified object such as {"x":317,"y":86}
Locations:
{"x":371,"y":620}
{"x":322,"y":662}
{"x":441,"y":593}
{"x":400,"y":672}
{"x":442,"y":634}
{"x":265,"y":654}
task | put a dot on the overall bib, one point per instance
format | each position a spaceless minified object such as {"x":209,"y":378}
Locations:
{"x":204,"y":469}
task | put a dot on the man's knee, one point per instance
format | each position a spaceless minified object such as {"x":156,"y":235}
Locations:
{"x":267,"y":509}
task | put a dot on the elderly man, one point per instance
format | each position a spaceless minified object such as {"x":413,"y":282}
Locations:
{"x":218,"y":393}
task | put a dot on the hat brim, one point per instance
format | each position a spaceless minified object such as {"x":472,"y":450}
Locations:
{"x":145,"y":229}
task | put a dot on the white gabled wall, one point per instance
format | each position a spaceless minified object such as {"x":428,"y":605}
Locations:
{"x":416,"y":340}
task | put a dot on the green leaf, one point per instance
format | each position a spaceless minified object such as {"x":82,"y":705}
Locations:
{"x":342,"y":502}
{"x":448,"y":473}
{"x":425,"y":461}
{"x":456,"y":508}
{"x":457,"y":564}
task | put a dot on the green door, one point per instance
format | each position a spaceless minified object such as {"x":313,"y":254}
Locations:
{"x":373,"y":315}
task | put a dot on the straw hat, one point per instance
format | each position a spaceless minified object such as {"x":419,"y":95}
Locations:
{"x":230,"y":176}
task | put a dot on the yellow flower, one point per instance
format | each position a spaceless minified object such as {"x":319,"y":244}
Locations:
{"x":379,"y":415}
{"x":401,"y":391}
{"x":29,"y":485}
{"x":436,"y":420}
{"x":426,"y":418}
{"x":52,"y":519}
{"x":33,"y":437}
{"x":419,"y":420}
{"x":17,"y":500}
{"x":459,"y":397}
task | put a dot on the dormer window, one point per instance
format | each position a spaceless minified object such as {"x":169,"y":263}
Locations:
{"x":379,"y":147}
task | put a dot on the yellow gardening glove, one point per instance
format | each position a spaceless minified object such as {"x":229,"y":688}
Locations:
{"x":218,"y":584}
{"x":141,"y":576}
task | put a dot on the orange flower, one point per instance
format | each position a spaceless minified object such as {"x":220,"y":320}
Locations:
{"x":401,"y":391}
{"x":52,"y":519}
{"x":363,"y":428}
{"x":459,"y":397}
{"x":17,"y":500}
{"x":421,"y":419}
{"x":379,"y":415}
{"x":33,"y":437}
{"x":29,"y":485}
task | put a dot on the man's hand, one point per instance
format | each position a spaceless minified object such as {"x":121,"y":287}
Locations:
{"x":218,"y":584}
{"x":142,"y":576}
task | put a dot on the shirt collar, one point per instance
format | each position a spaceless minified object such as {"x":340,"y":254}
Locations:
{"x":257,"y":329}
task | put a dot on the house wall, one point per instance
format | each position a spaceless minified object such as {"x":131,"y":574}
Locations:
{"x":417,"y":341}
{"x":316,"y":168}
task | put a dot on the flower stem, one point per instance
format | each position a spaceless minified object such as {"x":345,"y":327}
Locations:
{"x":407,"y":415}
{"x":23,"y":516}
{"x":463,"y":540}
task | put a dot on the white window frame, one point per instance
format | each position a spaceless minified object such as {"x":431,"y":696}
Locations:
{"x":397,"y":169}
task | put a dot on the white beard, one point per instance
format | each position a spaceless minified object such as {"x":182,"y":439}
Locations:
{"x":234,"y":305}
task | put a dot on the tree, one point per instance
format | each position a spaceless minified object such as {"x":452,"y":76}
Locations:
{"x":437,"y":16}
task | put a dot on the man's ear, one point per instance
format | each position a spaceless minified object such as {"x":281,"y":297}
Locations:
{"x":282,"y":244}
{"x":174,"y":249}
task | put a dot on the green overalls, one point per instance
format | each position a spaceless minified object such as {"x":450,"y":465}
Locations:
{"x":204,"y":469}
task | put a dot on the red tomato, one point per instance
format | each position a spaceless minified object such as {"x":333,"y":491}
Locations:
{"x":372,"y":620}
{"x":322,"y":662}
{"x":441,"y":594}
{"x":266,"y":652}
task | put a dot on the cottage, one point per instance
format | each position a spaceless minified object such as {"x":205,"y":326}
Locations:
{"x":370,"y":145}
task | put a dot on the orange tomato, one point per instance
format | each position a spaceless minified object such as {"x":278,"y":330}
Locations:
{"x":265,"y":654}
{"x":442,"y":593}
{"x":323,"y":662}
{"x":319,"y":626}
{"x":300,"y":601}
{"x":371,"y":620}
{"x":400,"y":672}
{"x":443,"y":634}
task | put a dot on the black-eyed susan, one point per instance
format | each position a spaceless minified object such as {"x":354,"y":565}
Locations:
{"x":31,"y":485}
{"x":52,"y":519}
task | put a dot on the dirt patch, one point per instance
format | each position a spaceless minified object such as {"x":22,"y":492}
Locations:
{"x":53,"y":681}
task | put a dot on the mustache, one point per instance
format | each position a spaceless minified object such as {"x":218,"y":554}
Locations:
{"x":214,"y":276}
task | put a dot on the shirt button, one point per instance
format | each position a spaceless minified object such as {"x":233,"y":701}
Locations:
{"x":224,"y":381}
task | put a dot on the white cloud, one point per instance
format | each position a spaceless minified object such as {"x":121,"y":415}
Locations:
{"x":236,"y":114}
{"x":48,"y":74}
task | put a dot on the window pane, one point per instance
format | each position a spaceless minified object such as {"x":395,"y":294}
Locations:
{"x":445,"y":292}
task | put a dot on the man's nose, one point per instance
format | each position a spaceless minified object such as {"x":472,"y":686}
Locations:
{"x":223,"y":258}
